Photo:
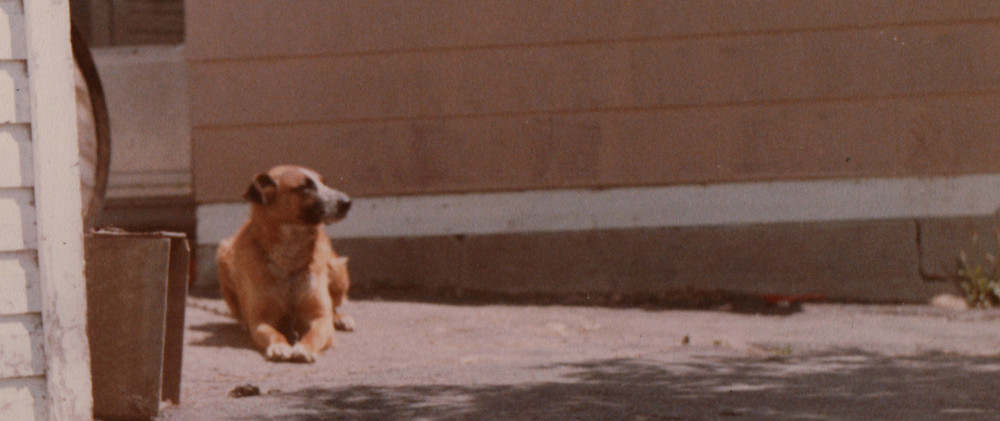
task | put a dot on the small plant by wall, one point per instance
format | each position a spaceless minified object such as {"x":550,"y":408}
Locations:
{"x":979,"y":277}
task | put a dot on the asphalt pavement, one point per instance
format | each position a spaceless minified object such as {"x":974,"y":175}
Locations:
{"x":425,"y":361}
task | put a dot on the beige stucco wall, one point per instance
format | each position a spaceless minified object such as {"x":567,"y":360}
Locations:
{"x":441,"y":96}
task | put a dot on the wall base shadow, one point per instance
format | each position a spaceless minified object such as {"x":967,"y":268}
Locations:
{"x":676,"y":299}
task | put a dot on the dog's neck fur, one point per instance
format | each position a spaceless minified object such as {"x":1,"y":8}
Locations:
{"x":291,"y":247}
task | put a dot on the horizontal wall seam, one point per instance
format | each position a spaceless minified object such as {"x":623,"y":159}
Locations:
{"x":193,"y":59}
{"x":614,"y":110}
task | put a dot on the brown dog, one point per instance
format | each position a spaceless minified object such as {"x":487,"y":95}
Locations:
{"x":279,"y":274}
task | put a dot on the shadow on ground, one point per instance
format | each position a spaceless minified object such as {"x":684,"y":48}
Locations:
{"x":223,"y":335}
{"x":846,"y":385}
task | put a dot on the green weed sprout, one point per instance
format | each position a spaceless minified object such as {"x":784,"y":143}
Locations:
{"x":980,"y":280}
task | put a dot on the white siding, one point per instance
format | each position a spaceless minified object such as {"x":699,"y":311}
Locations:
{"x":11,"y":30}
{"x":18,"y":218}
{"x":21,"y":353}
{"x":15,"y":156}
{"x":44,"y":363}
{"x":22,"y":357}
{"x":19,"y":289}
{"x":23,"y":399}
{"x":21,"y":346}
{"x":57,"y":208}
{"x":14,"y":106}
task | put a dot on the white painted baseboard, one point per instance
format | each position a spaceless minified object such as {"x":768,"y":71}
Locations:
{"x":645,"y":207}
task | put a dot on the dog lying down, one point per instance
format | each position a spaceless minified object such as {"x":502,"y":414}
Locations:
{"x":279,"y":274}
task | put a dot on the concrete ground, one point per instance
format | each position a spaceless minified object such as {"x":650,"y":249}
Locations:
{"x":412,"y":361}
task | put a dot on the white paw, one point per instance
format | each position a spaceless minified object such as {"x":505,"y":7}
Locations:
{"x":344,"y":324}
{"x":279,"y":352}
{"x":301,"y":354}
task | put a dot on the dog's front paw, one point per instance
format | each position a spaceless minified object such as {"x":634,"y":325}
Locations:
{"x":344,"y":324}
{"x":301,"y":354}
{"x":279,"y":352}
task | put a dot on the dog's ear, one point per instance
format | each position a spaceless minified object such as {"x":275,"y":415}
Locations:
{"x":261,"y":190}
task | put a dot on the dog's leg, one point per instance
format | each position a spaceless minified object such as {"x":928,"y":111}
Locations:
{"x":318,"y":337}
{"x":223,"y":258}
{"x":229,"y":294}
{"x":315,"y":324}
{"x":271,"y":341}
{"x":343,"y":323}
{"x":340,"y":282}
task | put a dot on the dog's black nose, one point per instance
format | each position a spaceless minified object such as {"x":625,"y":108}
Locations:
{"x":343,"y":206}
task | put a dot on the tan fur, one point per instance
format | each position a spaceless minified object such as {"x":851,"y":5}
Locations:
{"x":279,"y":274}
